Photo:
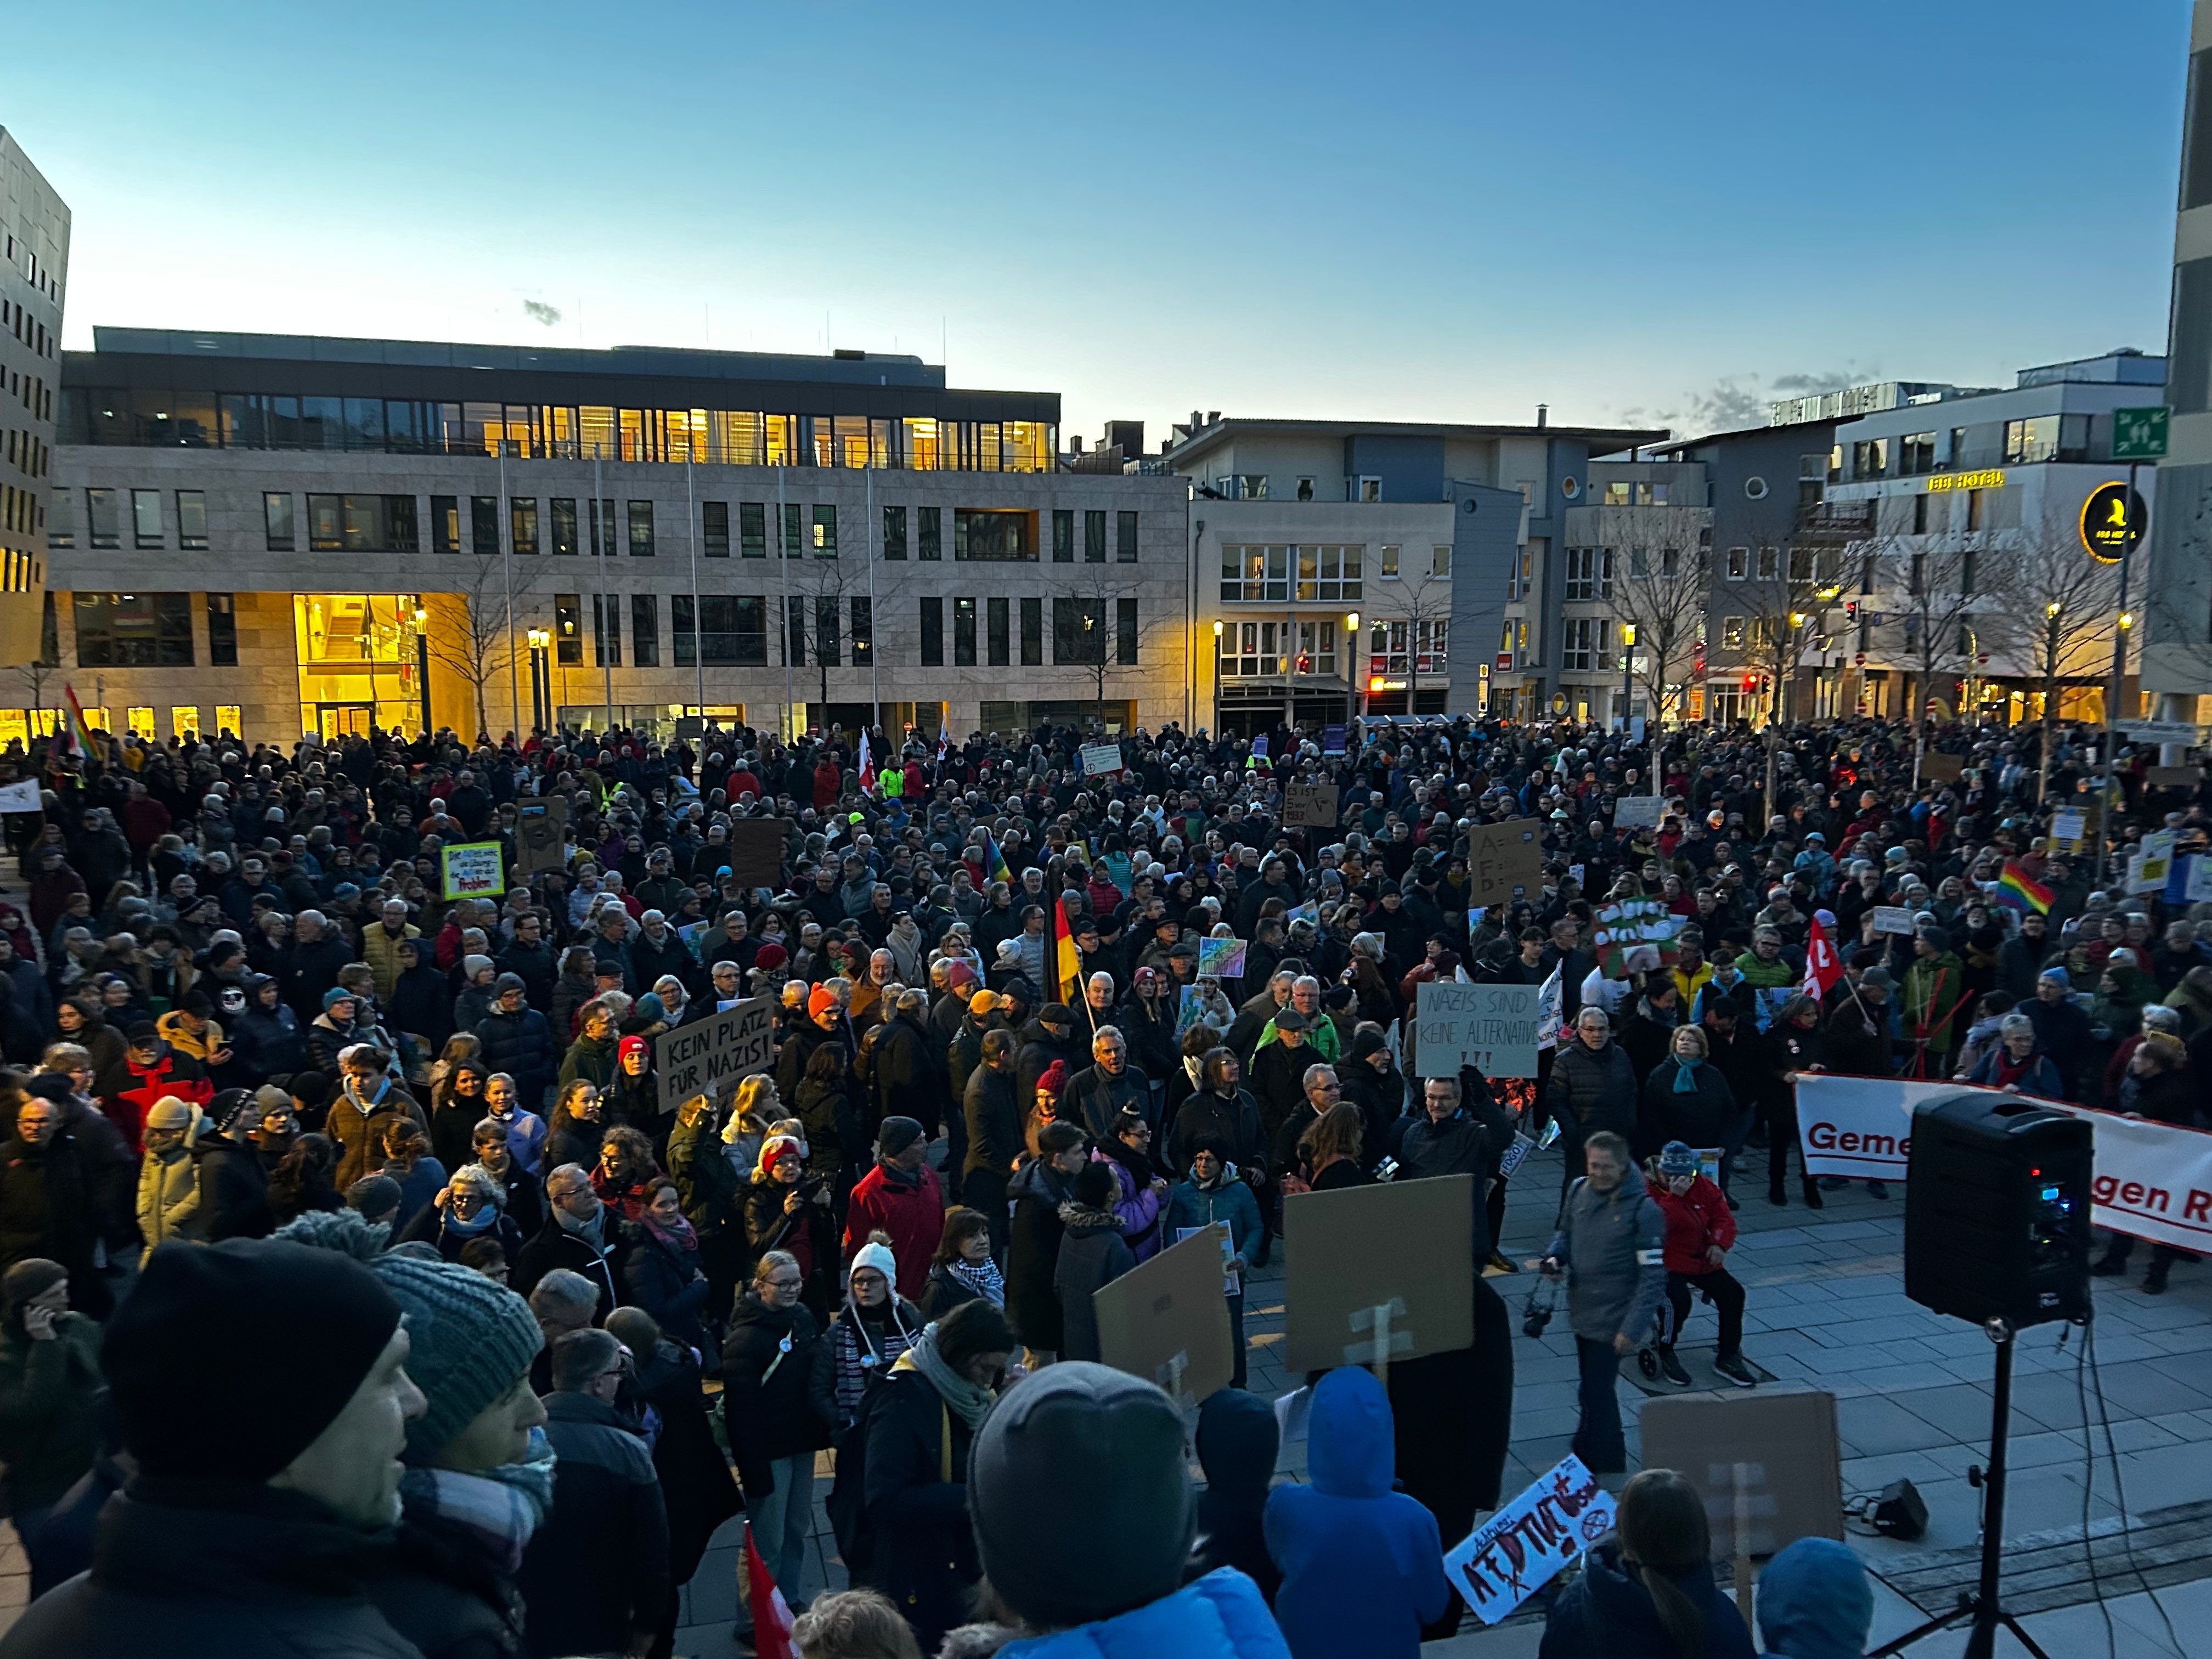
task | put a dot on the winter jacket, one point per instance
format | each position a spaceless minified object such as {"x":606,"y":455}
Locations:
{"x":596,"y":1572}
{"x":1593,"y":1089}
{"x":862,"y":1351}
{"x":267,"y":1043}
{"x":1607,"y":1614}
{"x":1234,"y":1122}
{"x":1362,"y":1566}
{"x":2037,"y":1076}
{"x":234,"y":1187}
{"x":713,"y":1191}
{"x":910,"y":1207}
{"x":1696,"y":1220}
{"x":380,"y":951}
{"x":1612,"y":1246}
{"x":913,"y":1497}
{"x":431,"y":1225}
{"x":1709,"y":1115}
{"x":778,"y":1396}
{"x":47,"y":1438}
{"x":1229,"y":1202}
{"x":1033,"y":1240}
{"x":1221,"y":1616}
{"x":556,"y":1246}
{"x":1096,"y":1099}
{"x":522,"y":1046}
{"x":1092,"y":1255}
{"x":249,"y":1572}
{"x":661,"y":1277}
{"x":1237,"y":1443}
{"x":360,"y":1134}
{"x":590,"y":1058}
{"x":169,"y":1199}
{"x":993,"y":1115}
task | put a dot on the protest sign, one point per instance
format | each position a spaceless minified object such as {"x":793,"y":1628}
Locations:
{"x":20,"y":797}
{"x":540,"y":832}
{"x":708,"y":1058}
{"x":1167,"y":1321}
{"x":2067,"y":827}
{"x":1634,"y":936}
{"x":2174,"y":777}
{"x":1232,"y":1280}
{"x":2157,"y":862}
{"x":756,"y":851}
{"x":1939,"y":768}
{"x":1309,"y":805}
{"x":691,"y":933}
{"x":1223,"y":957}
{"x":475,"y":869}
{"x":1492,"y":1028}
{"x":1892,"y":919}
{"x":1385,"y":1266}
{"x":1259,"y":747}
{"x":1332,"y":740}
{"x":2161,"y":731}
{"x":1638,"y":811}
{"x":1189,"y":1011}
{"x":1505,"y":861}
{"x":1511,"y":1556}
{"x":1772,"y":1459}
{"x":2198,"y":888}
{"x":1101,"y":758}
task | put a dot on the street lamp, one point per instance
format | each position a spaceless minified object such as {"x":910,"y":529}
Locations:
{"x":1354,"y":672}
{"x":423,"y":664}
{"x":1627,"y":670}
{"x":541,"y":691}
{"x":1217,"y":674}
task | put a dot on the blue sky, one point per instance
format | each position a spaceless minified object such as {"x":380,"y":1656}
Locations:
{"x":1418,"y":211}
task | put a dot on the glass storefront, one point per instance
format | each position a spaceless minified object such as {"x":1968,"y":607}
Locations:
{"x":358,"y":663}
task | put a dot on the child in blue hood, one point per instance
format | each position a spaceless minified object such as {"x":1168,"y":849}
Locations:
{"x":1815,"y":1603}
{"x":1362,"y":1567}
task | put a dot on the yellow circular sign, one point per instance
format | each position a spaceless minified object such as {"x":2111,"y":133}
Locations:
{"x":2114,"y":519}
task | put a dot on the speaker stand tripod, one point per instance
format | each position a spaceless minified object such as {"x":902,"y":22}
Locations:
{"x":1981,"y":1604}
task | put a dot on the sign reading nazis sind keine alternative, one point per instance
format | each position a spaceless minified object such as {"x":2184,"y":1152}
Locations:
{"x":1490,"y":1027}
{"x":710,"y":1057}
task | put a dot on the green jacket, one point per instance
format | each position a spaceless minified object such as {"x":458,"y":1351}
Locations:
{"x":592,"y":1060}
{"x":1933,"y":986}
{"x":46,"y":1440}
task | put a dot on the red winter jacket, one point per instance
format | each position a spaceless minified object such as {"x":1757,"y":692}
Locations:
{"x":1697,"y":1219}
{"x":911,"y":1212}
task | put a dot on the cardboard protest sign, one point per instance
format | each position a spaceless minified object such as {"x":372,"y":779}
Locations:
{"x":1772,"y":1458}
{"x":475,"y":869}
{"x":1222,"y":957}
{"x":1638,"y":811}
{"x":1100,"y":758}
{"x":1167,"y":1321}
{"x":756,"y":852}
{"x":1389,"y":1267}
{"x":1189,"y":1011}
{"x":1505,"y":861}
{"x":540,"y":832}
{"x":1939,"y":767}
{"x":2157,"y":862}
{"x":708,"y":1058}
{"x":1512,"y":1555}
{"x":1892,"y":919}
{"x":2174,"y":777}
{"x":1309,"y":805}
{"x":1490,"y":1027}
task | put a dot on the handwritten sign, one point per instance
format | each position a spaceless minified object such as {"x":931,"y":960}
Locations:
{"x":1490,"y":1027}
{"x":1638,"y":811}
{"x":540,"y":827}
{"x":1893,"y":919}
{"x":2069,"y":827}
{"x":1222,"y":958}
{"x":1514,"y":1554}
{"x":1505,"y":861}
{"x":1101,"y":758}
{"x":709,"y":1057}
{"x":1939,"y":768}
{"x":475,"y":869}
{"x":1309,"y":805}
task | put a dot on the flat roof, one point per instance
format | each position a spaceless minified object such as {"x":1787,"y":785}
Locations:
{"x":1211,"y":437}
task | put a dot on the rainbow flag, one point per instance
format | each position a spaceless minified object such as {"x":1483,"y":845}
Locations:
{"x":2021,"y":890}
{"x":1070,"y":969}
{"x":995,"y":861}
{"x":77,"y":735}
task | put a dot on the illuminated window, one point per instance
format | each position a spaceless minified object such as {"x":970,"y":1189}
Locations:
{"x":825,"y":532}
{"x":1619,"y":493}
{"x":1390,"y":562}
{"x":923,"y":450}
{"x":640,"y":530}
{"x":1251,"y":650}
{"x":568,"y":629}
{"x":1030,"y":445}
{"x":444,"y":523}
{"x":864,"y":632}
{"x":184,"y":721}
{"x":783,"y":441}
{"x":227,"y":718}
{"x":139,"y":722}
{"x":1731,"y":633}
{"x":522,"y":523}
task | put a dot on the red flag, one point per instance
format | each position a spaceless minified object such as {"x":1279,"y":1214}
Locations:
{"x":771,"y":1613}
{"x":867,"y":764}
{"x":1822,"y":969}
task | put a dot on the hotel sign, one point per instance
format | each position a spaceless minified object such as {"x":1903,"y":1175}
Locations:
{"x":1989,"y":478}
{"x":2113,"y":518}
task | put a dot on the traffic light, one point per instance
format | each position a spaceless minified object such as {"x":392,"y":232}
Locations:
{"x":1851,"y":610}
{"x":1750,"y":684}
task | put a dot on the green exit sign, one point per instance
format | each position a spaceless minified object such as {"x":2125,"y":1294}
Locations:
{"x":2139,"y":435}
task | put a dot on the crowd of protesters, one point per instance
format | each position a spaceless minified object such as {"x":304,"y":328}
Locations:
{"x":358,"y":1294}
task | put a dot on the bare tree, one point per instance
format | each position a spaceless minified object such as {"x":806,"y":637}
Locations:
{"x":1659,"y":588}
{"x":1417,"y":600}
{"x":821,"y":590}
{"x":487,"y":640}
{"x":1781,"y":599}
{"x":2064,"y":605}
{"x":1100,"y":625}
{"x":1940,"y":618}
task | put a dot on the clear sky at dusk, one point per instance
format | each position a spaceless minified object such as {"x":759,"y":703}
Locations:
{"x":1418,"y":211}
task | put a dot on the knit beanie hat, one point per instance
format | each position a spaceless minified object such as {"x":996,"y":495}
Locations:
{"x":1052,"y":1079}
{"x":373,"y":1195}
{"x":506,"y":982}
{"x":897,"y":1134}
{"x":959,"y":976}
{"x":33,"y":1276}
{"x":820,"y":1001}
{"x":771,"y":956}
{"x":1676,"y":1159}
{"x":1117,"y":1440}
{"x":186,"y":1355}
{"x":774,"y":1147}
{"x":472,"y":966}
{"x":469,"y":1339}
{"x":876,"y":1254}
{"x":633,"y":1045}
{"x":335,"y":995}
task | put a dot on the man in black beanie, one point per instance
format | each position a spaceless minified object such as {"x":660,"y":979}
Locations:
{"x":1118,"y":1442}
{"x":253,"y":1507}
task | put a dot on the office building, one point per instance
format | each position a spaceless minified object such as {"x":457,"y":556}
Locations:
{"x":34,"y":230}
{"x":282,"y":534}
{"x":1441,"y":540}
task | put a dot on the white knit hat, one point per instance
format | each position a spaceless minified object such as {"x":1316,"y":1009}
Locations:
{"x":875,"y":1255}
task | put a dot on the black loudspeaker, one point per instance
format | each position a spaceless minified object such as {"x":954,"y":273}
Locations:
{"x":1899,"y":1512}
{"x":1996,"y":1210}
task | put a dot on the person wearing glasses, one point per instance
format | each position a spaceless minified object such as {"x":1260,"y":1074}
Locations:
{"x":778,"y":1408}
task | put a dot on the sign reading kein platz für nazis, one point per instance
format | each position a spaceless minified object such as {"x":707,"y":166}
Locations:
{"x":1490,"y":1027}
{"x":708,"y":1058}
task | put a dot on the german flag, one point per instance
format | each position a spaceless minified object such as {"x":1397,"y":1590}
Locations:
{"x":1070,"y":969}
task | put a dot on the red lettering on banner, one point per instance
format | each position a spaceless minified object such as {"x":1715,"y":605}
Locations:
{"x":2101,"y":1188}
{"x":2131,"y":1195}
{"x":2158,"y":1199}
{"x":2194,"y":1209}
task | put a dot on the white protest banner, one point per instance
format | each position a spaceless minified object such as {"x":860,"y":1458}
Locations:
{"x":20,"y":797}
{"x":1638,"y":811}
{"x":1549,"y":996}
{"x":1512,"y":1555}
{"x":2155,"y":863}
{"x":2161,"y":731}
{"x":709,"y":1057}
{"x":2152,"y":1180}
{"x":1100,"y":758}
{"x":1892,"y":919}
{"x":2199,"y":888}
{"x":1490,"y":1027}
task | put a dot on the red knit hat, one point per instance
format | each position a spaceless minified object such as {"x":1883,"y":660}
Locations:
{"x":820,"y":1001}
{"x":633,"y":1045}
{"x":774,"y":1147}
{"x":1052,"y":1079}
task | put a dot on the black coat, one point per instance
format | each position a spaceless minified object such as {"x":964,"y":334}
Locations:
{"x":1592,"y":1090}
{"x":46,"y":1209}
{"x":777,"y":1401}
{"x":442,"y":1589}
{"x":695,"y":1482}
{"x":994,"y":1117}
{"x":428,"y":1227}
{"x":664,"y":1280}
{"x":596,"y":1572}
{"x":1709,"y":1117}
{"x":266,"y":1045}
{"x":1235,"y":1122}
{"x":233,"y":1191}
{"x":423,"y":1003}
{"x":915,"y":1495}
{"x":521,"y":1045}
{"x":555,"y":1246}
{"x":1032,"y":1255}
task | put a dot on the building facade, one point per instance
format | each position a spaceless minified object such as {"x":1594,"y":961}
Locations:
{"x":34,"y":230}
{"x":1338,"y":565}
{"x":285,"y":536}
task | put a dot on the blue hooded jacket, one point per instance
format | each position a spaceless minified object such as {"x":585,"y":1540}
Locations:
{"x":1362,"y":1566}
{"x":1219,"y":1617}
{"x":1815,"y":1603}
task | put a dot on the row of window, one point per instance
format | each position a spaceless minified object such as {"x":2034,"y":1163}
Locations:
{"x":1253,"y":574}
{"x":2023,"y":442}
{"x":1265,"y":650}
{"x":29,"y":454}
{"x":26,"y":329}
{"x":1079,"y":630}
{"x":145,"y":418}
{"x":389,"y":524}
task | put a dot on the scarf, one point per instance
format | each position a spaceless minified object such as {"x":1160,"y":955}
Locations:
{"x":1686,"y":1075}
{"x":683,"y":1235}
{"x":968,"y":1400}
{"x":501,"y":1508}
{"x":592,"y":1232}
{"x":485,"y":1218}
{"x":983,"y":1278}
{"x":368,"y":1108}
